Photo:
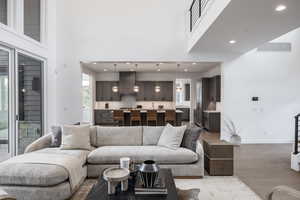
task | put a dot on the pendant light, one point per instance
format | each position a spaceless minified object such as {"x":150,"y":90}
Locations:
{"x":115,"y":88}
{"x":157,"y":89}
{"x":178,"y":88}
{"x":136,"y":88}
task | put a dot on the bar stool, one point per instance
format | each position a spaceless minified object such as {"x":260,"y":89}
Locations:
{"x":135,"y":116}
{"x":170,"y":117}
{"x":118,"y":116}
{"x":152,"y":117}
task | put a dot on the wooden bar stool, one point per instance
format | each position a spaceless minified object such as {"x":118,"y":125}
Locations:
{"x":170,"y":117}
{"x":135,"y":116}
{"x":152,"y":117}
{"x":118,"y":116}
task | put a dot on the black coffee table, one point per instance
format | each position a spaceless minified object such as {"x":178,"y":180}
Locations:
{"x":99,"y":191}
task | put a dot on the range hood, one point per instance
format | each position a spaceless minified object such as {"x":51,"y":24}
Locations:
{"x":126,"y":83}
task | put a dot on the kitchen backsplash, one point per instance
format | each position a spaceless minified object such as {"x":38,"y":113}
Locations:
{"x":145,"y":104}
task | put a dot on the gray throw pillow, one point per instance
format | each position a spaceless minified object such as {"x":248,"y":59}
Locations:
{"x":56,"y":136}
{"x":191,"y":137}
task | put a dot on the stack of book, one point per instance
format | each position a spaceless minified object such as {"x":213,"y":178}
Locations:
{"x":159,"y":188}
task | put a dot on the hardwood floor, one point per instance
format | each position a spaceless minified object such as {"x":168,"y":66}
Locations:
{"x":263,"y":166}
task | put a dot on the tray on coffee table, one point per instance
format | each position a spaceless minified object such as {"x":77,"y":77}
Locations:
{"x":99,"y":191}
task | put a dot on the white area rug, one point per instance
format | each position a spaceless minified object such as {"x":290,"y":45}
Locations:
{"x":218,"y":188}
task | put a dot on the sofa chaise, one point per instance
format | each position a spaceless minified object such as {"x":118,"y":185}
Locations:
{"x":35,"y":181}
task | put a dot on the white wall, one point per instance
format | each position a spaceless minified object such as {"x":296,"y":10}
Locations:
{"x":274,"y":77}
{"x":103,"y":30}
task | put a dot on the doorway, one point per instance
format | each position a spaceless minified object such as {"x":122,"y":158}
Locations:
{"x":21,"y":101}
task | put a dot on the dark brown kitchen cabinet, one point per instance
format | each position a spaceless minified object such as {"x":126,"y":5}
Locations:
{"x":141,"y":94}
{"x":215,"y":88}
{"x":104,"y":91}
{"x":187,"y":92}
{"x":212,"y":121}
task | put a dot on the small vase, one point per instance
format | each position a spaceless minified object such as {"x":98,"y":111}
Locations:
{"x":235,"y":140}
{"x":149,"y":173}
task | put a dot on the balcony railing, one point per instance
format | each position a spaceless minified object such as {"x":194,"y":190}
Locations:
{"x":196,"y":10}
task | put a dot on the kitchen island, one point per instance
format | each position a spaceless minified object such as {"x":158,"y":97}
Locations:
{"x":105,"y":117}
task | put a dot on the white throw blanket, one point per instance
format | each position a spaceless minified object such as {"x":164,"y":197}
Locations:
{"x":71,"y":163}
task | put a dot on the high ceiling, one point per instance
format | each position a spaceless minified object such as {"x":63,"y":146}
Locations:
{"x":250,"y":23}
{"x":151,"y":66}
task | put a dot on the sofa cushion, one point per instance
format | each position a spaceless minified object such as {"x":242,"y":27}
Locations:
{"x":31,"y":174}
{"x":75,"y":137}
{"x":119,"y":136}
{"x":38,"y":174}
{"x":151,"y":134}
{"x":162,"y":155}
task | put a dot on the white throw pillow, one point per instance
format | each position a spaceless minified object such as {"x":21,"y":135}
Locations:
{"x":171,"y":136}
{"x":75,"y":137}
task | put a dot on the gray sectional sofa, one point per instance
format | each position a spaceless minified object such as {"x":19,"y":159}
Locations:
{"x":36,"y":181}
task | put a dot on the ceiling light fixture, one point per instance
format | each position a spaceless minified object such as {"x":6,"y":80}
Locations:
{"x":105,"y":70}
{"x":95,"y":63}
{"x":157,"y":89}
{"x":186,"y":70}
{"x":194,"y":63}
{"x":280,"y":8}
{"x":158,"y":69}
{"x":178,"y":88}
{"x":128,"y":63}
{"x":115,"y":88}
{"x":136,"y":88}
{"x":232,"y":41}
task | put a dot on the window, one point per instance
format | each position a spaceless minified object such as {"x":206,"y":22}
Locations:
{"x":3,"y":12}
{"x":32,"y":19}
{"x":87,"y":98}
{"x":183,"y":92}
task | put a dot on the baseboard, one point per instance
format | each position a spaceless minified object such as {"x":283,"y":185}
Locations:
{"x":266,"y":141}
{"x":188,"y":177}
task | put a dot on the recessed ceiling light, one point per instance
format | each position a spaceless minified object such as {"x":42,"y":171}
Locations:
{"x":161,"y":63}
{"x":128,"y":63}
{"x":185,"y":70}
{"x":280,"y":8}
{"x":194,"y":63}
{"x":232,"y":41}
{"x":158,"y":70}
{"x":95,"y":63}
{"x":105,"y":70}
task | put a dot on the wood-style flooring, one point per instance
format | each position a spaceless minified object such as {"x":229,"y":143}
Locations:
{"x":264,"y":166}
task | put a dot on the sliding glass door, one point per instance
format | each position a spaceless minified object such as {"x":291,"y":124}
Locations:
{"x":29,"y":100}
{"x":5,"y":138}
{"x":21,"y":101}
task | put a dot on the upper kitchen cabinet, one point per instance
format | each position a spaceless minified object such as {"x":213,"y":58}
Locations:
{"x":141,"y":94}
{"x":212,"y":88}
{"x":166,"y":91}
{"x":104,"y":91}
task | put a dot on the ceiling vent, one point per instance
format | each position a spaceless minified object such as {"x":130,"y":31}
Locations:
{"x":276,"y":47}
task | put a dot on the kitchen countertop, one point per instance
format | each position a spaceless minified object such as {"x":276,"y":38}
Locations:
{"x":211,"y":111}
{"x":144,"y":111}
